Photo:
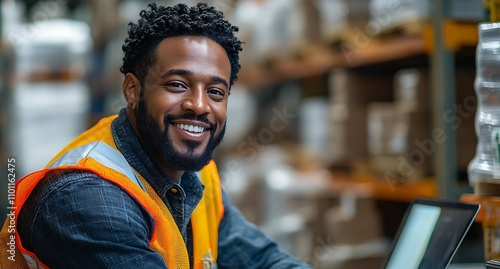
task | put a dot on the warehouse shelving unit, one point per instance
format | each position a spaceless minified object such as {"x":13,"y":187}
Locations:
{"x":439,"y":43}
{"x":324,"y":59}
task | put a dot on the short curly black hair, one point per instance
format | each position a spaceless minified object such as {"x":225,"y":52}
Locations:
{"x":160,"y":22}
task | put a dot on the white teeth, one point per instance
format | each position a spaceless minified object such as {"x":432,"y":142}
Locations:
{"x":190,"y":128}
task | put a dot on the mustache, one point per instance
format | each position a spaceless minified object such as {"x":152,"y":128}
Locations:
{"x":189,"y":116}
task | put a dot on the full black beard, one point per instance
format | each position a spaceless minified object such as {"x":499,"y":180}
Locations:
{"x":161,"y":143}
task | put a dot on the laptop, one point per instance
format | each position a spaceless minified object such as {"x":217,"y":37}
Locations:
{"x":430,"y":233}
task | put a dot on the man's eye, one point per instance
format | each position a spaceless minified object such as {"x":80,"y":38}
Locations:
{"x":176,"y":85}
{"x":216,"y":92}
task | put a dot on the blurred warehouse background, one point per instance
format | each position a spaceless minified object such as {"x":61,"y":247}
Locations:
{"x":341,"y":115}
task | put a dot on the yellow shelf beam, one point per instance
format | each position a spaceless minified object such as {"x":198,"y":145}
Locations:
{"x":381,"y":189}
{"x":494,"y":7}
{"x":456,"y":35}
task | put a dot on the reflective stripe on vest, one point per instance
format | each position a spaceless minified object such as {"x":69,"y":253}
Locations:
{"x":102,"y":153}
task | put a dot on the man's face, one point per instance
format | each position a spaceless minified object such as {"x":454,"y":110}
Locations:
{"x":181,"y":116}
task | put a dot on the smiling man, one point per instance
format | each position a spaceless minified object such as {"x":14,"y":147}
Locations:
{"x":140,"y":189}
{"x":182,"y":117}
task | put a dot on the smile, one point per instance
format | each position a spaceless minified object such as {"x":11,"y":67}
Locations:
{"x":190,"y":128}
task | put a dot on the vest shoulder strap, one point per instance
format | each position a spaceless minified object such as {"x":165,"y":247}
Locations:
{"x":104,"y":154}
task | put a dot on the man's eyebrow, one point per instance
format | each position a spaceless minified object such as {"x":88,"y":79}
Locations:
{"x":183,"y":72}
{"x":220,"y":80}
{"x":180,"y":72}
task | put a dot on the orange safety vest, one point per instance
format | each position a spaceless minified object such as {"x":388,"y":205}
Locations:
{"x":95,"y":151}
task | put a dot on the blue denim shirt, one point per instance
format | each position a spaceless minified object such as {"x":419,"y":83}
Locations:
{"x":74,"y":219}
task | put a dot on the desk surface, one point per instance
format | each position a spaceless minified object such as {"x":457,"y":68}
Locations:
{"x":467,"y":266}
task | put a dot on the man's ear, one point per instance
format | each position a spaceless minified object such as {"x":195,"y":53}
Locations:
{"x":131,"y":88}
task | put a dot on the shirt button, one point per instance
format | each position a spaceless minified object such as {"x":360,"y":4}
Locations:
{"x":174,"y":190}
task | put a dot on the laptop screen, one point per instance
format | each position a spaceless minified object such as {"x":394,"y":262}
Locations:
{"x":430,"y":234}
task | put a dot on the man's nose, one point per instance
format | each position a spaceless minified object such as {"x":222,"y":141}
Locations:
{"x":197,"y":101}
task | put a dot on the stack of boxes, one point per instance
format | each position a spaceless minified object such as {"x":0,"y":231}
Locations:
{"x":350,"y":92}
{"x":401,"y":138}
{"x":383,"y":124}
{"x":400,"y":145}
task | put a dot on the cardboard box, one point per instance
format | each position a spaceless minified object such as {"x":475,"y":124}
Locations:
{"x":358,"y":13}
{"x":347,"y":134}
{"x":399,"y":142}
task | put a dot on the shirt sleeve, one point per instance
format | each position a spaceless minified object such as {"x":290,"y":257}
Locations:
{"x":82,"y":221}
{"x":244,"y":245}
